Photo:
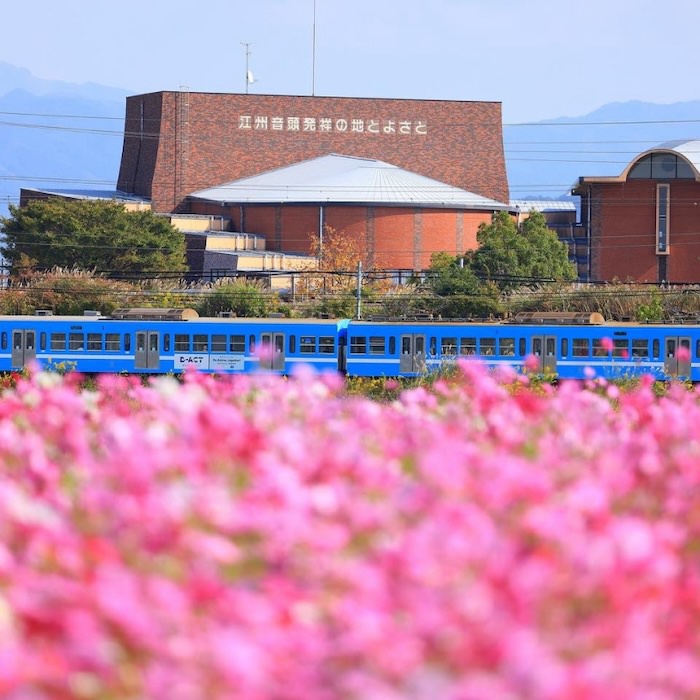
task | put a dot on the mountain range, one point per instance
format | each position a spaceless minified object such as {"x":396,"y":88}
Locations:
{"x":65,"y":135}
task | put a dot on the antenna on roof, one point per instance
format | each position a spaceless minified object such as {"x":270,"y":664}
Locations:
{"x":249,"y":80}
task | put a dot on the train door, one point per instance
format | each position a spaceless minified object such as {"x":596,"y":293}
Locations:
{"x":412,"y":353}
{"x":272,"y":353}
{"x":677,"y":364}
{"x":544,"y":348}
{"x":23,"y":348}
{"x":147,"y":355}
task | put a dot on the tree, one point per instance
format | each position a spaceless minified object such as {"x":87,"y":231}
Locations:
{"x":241,"y":298}
{"x":462,"y":294}
{"x":91,"y":235}
{"x":511,"y":256}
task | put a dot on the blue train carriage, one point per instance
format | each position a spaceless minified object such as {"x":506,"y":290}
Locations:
{"x":156,"y":341}
{"x":401,"y":348}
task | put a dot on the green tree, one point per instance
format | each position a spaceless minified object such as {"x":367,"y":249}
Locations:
{"x":461,"y":293}
{"x":511,"y":256}
{"x":90,"y":235}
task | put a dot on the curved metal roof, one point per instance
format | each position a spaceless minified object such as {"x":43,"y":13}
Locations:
{"x":341,"y":179}
{"x":690,"y":150}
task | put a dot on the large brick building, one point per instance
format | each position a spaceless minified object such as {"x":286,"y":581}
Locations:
{"x":644,"y":224}
{"x":177,"y":144}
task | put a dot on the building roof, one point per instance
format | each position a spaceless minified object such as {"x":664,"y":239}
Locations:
{"x":690,"y":150}
{"x":528,"y":205}
{"x":88,"y":194}
{"x":342,"y":179}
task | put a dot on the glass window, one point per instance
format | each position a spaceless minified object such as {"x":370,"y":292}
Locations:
{"x":58,"y":341}
{"x":112,"y":341}
{"x":598,"y":348}
{"x":564,"y":347}
{"x":42,"y":341}
{"x":94,"y":341}
{"x":467,"y":346}
{"x":292,"y":344}
{"x":448,"y":346}
{"x":182,"y":342}
{"x":358,"y":345}
{"x":3,"y":339}
{"x":166,"y":342}
{"x":488,"y":346}
{"x":433,"y":346}
{"x":237,"y":344}
{"x":76,"y":341}
{"x":392,"y":345}
{"x":621,"y":348}
{"x":251,"y":343}
{"x":127,"y":342}
{"x":200,"y":342}
{"x":152,"y":342}
{"x":640,"y":348}
{"x":377,"y":345}
{"x":307,"y":344}
{"x":581,"y":347}
{"x":522,"y":347}
{"x":507,"y":347}
{"x":655,"y":347}
{"x":218,"y":342}
{"x":326,"y":345}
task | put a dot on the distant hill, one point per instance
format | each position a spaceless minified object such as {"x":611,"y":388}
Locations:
{"x":64,"y":135}
{"x":544,"y":159}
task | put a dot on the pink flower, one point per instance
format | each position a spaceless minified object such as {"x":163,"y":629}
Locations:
{"x":607,"y":344}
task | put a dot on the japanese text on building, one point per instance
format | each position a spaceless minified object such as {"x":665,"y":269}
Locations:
{"x":402,"y":127}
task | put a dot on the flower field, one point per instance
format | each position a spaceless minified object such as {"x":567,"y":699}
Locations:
{"x":269,"y":539}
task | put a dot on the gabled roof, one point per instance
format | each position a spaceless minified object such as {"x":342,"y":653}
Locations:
{"x":342,"y":179}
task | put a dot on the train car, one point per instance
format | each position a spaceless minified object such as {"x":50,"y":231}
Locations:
{"x":158,"y":341}
{"x":564,"y":345}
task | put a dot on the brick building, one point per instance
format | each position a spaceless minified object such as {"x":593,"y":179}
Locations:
{"x":177,"y":144}
{"x":644,"y":225}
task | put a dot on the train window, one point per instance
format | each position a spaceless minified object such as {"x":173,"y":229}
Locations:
{"x":237,"y":344}
{"x":112,"y":341}
{"x":166,"y":342}
{"x":307,"y":344}
{"x":392,"y":345}
{"x":58,"y":341}
{"x":581,"y":347}
{"x":522,"y":347}
{"x":640,"y":348}
{"x":182,"y":342}
{"x":76,"y":341}
{"x":377,"y":345}
{"x":292,"y":344}
{"x":127,"y":342}
{"x":507,"y":347}
{"x":218,"y":343}
{"x":655,"y":347}
{"x":433,"y":346}
{"x":467,"y":346}
{"x":621,"y":348}
{"x":697,"y":349}
{"x":200,"y":342}
{"x":3,"y":340}
{"x":251,"y":343}
{"x":488,"y":346}
{"x":152,"y":342}
{"x":600,"y":348}
{"x":94,"y":341}
{"x":42,"y":341}
{"x":358,"y":345}
{"x":564,"y":347}
{"x":326,"y":344}
{"x":448,"y":346}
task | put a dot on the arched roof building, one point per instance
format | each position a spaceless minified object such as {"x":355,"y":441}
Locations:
{"x":644,"y":224}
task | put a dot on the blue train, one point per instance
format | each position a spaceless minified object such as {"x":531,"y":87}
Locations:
{"x":158,"y":341}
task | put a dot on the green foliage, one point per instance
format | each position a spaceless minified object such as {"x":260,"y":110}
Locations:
{"x":241,"y":298}
{"x":91,"y":235}
{"x":459,"y":292}
{"x":511,"y":256}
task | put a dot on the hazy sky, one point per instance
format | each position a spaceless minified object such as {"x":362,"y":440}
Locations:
{"x":540,"y":58}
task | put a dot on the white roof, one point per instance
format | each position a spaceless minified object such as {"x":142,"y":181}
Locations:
{"x":528,"y":205}
{"x":346,"y":180}
{"x":690,"y":150}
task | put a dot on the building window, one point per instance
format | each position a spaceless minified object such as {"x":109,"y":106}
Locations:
{"x":661,"y":166}
{"x":662,"y":207}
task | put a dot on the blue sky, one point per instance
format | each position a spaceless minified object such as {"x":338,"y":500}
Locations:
{"x":541,"y":58}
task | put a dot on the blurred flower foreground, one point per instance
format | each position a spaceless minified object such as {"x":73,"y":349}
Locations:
{"x":257,"y":538}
